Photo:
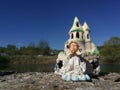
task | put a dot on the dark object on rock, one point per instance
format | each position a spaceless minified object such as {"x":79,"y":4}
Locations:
{"x":60,"y":64}
{"x":103,"y":73}
{"x":117,"y":80}
{"x":2,"y":73}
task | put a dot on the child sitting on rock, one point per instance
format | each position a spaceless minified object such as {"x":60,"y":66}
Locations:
{"x":73,"y":68}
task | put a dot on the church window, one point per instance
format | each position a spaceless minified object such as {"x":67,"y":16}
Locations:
{"x":77,"y":24}
{"x":72,"y":36}
{"x":77,"y":35}
{"x":87,"y":36}
{"x":82,"y":35}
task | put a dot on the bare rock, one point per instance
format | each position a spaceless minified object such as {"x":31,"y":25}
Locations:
{"x":51,"y":81}
{"x":115,"y":77}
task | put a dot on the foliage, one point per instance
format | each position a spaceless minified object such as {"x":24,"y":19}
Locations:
{"x":110,"y":51}
{"x":112,"y":41}
{"x":31,"y":54}
{"x":42,"y":48}
{"x":4,"y":60}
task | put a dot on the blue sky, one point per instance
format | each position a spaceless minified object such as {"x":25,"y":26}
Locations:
{"x":26,"y":21}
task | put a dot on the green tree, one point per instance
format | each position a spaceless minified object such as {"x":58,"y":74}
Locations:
{"x":43,"y":48}
{"x":110,"y":51}
{"x":2,"y":50}
{"x":113,"y":41}
{"x":31,"y":49}
{"x":11,"y":49}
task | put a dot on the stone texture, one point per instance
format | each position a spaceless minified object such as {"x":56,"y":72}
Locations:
{"x":50,"y":81}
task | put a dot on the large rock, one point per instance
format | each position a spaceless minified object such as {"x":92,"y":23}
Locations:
{"x":50,"y":81}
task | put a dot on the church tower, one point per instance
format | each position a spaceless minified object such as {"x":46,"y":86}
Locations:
{"x":88,"y":45}
{"x":86,"y":32}
{"x":77,"y":33}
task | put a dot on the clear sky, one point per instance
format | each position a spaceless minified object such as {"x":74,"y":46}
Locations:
{"x":26,"y":21}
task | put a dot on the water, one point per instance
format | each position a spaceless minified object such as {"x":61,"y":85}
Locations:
{"x":110,"y":68}
{"x":50,"y":68}
{"x":29,"y":68}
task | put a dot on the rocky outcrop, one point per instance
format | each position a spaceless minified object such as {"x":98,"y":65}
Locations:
{"x":50,"y":81}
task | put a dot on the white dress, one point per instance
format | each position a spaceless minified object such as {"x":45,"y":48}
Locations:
{"x":74,"y":70}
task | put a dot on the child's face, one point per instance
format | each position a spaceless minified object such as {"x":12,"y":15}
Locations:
{"x":73,"y":47}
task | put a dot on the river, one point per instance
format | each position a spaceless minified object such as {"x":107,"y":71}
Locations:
{"x":50,"y":68}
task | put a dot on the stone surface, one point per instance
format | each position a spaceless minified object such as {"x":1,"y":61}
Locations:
{"x":50,"y":81}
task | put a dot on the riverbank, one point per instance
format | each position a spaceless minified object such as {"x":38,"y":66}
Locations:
{"x":21,"y":68}
{"x":27,"y":59}
{"x":32,"y":59}
{"x":50,"y":81}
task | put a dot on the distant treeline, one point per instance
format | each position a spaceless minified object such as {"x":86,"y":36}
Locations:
{"x":31,"y":54}
{"x":42,"y":48}
{"x":42,"y":53}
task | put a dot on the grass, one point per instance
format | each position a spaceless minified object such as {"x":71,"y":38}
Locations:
{"x":32,"y":59}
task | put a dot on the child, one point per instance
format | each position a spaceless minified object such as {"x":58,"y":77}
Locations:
{"x":73,"y":68}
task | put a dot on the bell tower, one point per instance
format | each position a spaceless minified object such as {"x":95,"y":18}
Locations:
{"x":76,"y":33}
{"x":88,"y":45}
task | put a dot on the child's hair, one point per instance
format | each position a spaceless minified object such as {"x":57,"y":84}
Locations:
{"x":68,"y":46}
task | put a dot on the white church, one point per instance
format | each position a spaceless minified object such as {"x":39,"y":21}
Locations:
{"x":81,"y":34}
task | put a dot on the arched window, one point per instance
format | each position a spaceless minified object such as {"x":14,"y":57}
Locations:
{"x":82,"y":36}
{"x":77,"y":35}
{"x":87,"y":36}
{"x":72,"y":36}
{"x":77,"y":24}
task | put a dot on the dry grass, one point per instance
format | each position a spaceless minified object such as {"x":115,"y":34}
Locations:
{"x":33,"y":59}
